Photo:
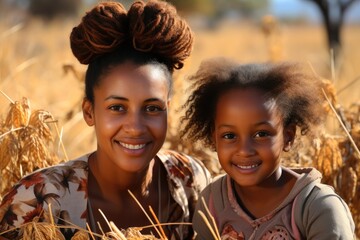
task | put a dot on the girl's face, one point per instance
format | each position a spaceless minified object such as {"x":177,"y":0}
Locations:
{"x":249,"y":136}
{"x":129,"y":115}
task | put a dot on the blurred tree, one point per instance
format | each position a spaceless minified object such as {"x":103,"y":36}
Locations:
{"x":247,"y":8}
{"x":333,"y":13}
{"x":219,"y":8}
{"x":49,"y":9}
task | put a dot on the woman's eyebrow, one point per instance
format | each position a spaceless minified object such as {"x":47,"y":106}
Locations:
{"x":116,"y":98}
{"x":154,"y":100}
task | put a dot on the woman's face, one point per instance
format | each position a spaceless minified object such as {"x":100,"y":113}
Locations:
{"x":129,"y":114}
{"x":249,"y":136}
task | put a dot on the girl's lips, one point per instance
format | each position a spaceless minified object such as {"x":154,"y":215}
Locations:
{"x":248,"y":167}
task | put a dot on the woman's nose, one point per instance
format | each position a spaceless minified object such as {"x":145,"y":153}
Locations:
{"x":134,"y":124}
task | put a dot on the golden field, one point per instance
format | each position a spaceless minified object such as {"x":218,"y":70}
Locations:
{"x":36,"y":62}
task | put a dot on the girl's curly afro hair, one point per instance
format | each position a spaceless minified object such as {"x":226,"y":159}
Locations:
{"x":298,"y":95}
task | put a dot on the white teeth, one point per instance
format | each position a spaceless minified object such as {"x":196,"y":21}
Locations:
{"x":132,"y":147}
{"x":248,"y":166}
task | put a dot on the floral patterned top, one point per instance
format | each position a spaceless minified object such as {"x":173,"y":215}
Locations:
{"x":64,"y":186}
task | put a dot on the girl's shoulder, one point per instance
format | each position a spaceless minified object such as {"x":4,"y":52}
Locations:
{"x":318,"y":209}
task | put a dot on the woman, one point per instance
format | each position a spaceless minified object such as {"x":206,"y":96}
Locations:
{"x":131,"y":56}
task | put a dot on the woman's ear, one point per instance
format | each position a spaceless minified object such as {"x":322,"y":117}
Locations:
{"x":213,"y":141}
{"x":88,"y":112}
{"x":289,"y":136}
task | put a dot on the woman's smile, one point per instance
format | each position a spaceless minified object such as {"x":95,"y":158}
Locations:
{"x":132,"y":146}
{"x":130,"y":116}
{"x":133,"y":149}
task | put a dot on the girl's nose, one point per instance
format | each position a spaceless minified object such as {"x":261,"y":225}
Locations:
{"x":245,"y":148}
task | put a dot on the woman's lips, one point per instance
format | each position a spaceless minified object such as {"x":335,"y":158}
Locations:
{"x":132,"y":146}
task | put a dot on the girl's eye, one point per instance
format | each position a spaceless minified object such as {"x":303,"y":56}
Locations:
{"x":229,"y":136}
{"x":153,"y":108}
{"x":117,"y":108}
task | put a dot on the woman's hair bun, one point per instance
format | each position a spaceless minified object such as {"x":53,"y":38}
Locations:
{"x":101,"y":30}
{"x":156,"y":27}
{"x":153,"y":27}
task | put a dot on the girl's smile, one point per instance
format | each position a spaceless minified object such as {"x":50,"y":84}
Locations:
{"x":247,"y":168}
{"x":249,"y":136}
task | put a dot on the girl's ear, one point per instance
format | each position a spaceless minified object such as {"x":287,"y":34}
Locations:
{"x":88,"y":113}
{"x":289,"y":136}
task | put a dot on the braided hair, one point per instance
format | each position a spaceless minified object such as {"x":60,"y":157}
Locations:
{"x":148,"y":33}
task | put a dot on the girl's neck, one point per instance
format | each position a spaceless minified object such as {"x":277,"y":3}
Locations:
{"x":112,"y":182}
{"x":275,"y":190}
{"x":266,"y":189}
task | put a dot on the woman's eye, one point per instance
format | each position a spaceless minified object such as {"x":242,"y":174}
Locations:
{"x":262,"y":134}
{"x":229,"y":136}
{"x":117,"y":108}
{"x":153,"y":108}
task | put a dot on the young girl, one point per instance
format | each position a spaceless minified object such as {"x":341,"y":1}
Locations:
{"x":249,"y":114}
{"x":131,"y":56}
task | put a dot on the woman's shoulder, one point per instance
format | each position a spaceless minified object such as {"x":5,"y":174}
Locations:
{"x":76,"y":167}
{"x":185,"y":168}
{"x":175,"y":157}
{"x":55,"y":178}
{"x":182,"y":161}
{"x":72,"y":168}
{"x":62,"y":185}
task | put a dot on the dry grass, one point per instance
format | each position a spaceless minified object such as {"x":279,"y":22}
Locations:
{"x":26,"y":142}
{"x":36,"y":62}
{"x":48,"y":230}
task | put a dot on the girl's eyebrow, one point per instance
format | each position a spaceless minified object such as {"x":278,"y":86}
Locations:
{"x":257,"y":124}
{"x":263,"y":123}
{"x":225,"y":126}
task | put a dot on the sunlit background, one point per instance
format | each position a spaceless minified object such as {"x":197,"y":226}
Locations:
{"x":36,"y":61}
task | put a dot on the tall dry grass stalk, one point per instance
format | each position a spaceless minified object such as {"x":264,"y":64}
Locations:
{"x":47,"y":230}
{"x":25,"y":142}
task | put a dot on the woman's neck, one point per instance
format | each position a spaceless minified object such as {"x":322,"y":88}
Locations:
{"x":112,"y":182}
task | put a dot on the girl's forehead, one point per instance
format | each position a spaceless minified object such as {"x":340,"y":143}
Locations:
{"x":246,"y":111}
{"x":246,"y":100}
{"x":243,"y":95}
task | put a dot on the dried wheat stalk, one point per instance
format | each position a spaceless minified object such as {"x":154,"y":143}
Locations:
{"x":25,"y":142}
